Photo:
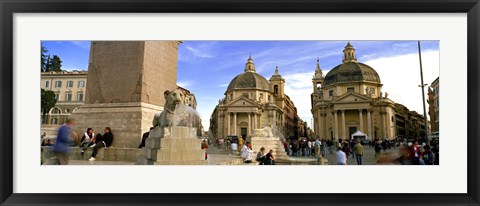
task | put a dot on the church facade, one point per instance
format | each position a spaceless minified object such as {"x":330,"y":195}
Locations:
{"x":252,"y":102}
{"x":348,"y":99}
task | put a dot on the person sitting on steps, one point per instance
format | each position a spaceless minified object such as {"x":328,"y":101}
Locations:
{"x":104,"y":140}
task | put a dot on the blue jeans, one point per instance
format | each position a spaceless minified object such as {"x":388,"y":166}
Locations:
{"x":359,"y":159}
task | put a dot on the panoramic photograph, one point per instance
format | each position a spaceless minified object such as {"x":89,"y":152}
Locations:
{"x":235,"y":102}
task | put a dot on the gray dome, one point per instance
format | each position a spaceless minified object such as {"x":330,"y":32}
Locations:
{"x":249,"y":80}
{"x":351,"y":72}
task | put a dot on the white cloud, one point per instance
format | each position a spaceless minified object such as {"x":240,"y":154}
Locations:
{"x":82,"y":44}
{"x":185,"y":84}
{"x":299,"y":87}
{"x":400,"y":76}
{"x":198,"y":52}
{"x":222,"y":85}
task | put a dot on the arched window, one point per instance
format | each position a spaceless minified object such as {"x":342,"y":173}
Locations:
{"x":56,"y":110}
{"x":275,"y":89}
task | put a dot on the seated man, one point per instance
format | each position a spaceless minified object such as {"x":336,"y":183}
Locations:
{"x":101,"y":141}
{"x":144,"y":137}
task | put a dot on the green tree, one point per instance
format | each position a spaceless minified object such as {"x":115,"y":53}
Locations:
{"x":56,"y":64}
{"x":44,"y":59}
{"x":48,"y":101}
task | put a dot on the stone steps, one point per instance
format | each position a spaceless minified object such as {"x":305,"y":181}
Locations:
{"x":104,"y":154}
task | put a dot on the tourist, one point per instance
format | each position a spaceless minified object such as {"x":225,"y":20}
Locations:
{"x":247,"y":153}
{"x":61,"y":147}
{"x":270,"y":159}
{"x":240,"y":143}
{"x":261,"y":156}
{"x":323,"y":148}
{"x":346,"y":149}
{"x":358,"y":152}
{"x":378,"y":149}
{"x":330,"y":146}
{"x":104,"y":140}
{"x":406,"y":158}
{"x":317,"y":146}
{"x":341,"y":157}
{"x":204,"y":147}
{"x":234,"y":147}
{"x":352,"y":144}
{"x":309,"y":148}
{"x":428,"y":156}
{"x":87,"y":140}
{"x":144,"y":138}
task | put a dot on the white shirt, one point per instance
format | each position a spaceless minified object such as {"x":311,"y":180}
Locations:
{"x":309,"y":144}
{"x":341,"y":157}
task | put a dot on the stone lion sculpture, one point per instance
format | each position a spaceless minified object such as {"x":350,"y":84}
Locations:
{"x":172,"y":98}
{"x":264,"y":132}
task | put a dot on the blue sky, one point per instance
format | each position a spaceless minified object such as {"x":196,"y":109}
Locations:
{"x":206,"y":67}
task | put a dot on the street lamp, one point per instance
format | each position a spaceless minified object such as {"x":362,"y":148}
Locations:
{"x":423,"y":94}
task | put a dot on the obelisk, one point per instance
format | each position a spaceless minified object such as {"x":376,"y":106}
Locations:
{"x":125,"y":86}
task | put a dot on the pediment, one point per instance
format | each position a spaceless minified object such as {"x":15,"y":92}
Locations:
{"x":352,"y":97}
{"x":242,"y":102}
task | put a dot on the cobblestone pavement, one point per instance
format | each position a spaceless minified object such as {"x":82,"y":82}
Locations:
{"x":367,"y":159}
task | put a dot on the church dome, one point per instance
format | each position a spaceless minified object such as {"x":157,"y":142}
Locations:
{"x":249,"y":79}
{"x":351,"y":70}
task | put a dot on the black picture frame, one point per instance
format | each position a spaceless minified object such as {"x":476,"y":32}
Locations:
{"x":10,"y":7}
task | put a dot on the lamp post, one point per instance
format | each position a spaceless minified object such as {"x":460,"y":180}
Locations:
{"x":423,"y":94}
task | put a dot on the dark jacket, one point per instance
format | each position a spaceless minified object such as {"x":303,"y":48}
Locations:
{"x":107,"y":138}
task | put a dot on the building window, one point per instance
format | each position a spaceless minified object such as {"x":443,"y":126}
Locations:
{"x":275,"y":89}
{"x":80,"y":97}
{"x":350,"y":89}
{"x":58,"y":84}
{"x":261,"y":96}
{"x":330,"y":93}
{"x":69,"y":84}
{"x":57,"y":95}
{"x":68,"y":97}
{"x":47,"y":84}
{"x":67,"y":110}
{"x":81,"y":84}
{"x":54,"y":121}
{"x":56,"y":111}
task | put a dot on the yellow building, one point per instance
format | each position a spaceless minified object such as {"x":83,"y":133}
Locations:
{"x":434,"y":105}
{"x":349,"y":98}
{"x":69,"y":88}
{"x":253,"y":102}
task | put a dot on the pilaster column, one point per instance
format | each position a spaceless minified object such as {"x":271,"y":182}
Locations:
{"x":343,"y":125}
{"x":385,"y":134}
{"x":235,"y":123}
{"x":254,"y":121}
{"x":335,"y":123}
{"x":360,"y":112}
{"x":320,"y":121}
{"x":250,"y":128}
{"x":369,"y":124}
{"x":228,"y":124}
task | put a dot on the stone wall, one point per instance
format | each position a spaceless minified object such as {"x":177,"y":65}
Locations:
{"x":128,"y":121}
